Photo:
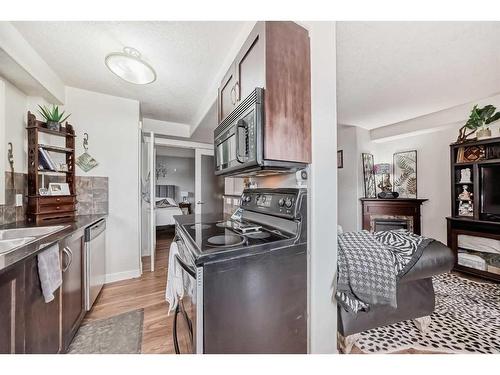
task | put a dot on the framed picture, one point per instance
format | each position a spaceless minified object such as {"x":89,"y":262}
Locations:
{"x":43,"y":191}
{"x":340,"y":159}
{"x":58,"y":188}
{"x":369,"y":176}
{"x":405,"y":173}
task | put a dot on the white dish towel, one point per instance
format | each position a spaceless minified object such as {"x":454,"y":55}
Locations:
{"x":49,"y":272}
{"x":175,"y":286}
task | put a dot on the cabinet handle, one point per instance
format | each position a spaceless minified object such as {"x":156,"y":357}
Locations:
{"x":237,"y":92}
{"x":58,"y":199}
{"x":69,"y":254}
{"x":65,"y":252}
{"x":233,"y":95}
{"x":58,"y":208}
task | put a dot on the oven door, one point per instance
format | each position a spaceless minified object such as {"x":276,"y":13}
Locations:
{"x":185,"y":319}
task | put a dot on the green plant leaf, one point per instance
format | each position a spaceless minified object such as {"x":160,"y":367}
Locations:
{"x":493,"y":118}
{"x":44,"y":111}
{"x":65,"y":118}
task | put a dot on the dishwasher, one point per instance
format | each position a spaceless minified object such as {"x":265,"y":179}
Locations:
{"x":94,"y":261}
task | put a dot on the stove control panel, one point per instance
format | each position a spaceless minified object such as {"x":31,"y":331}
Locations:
{"x":278,"y":202}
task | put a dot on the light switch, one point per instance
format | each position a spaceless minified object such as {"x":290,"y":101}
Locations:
{"x":19,"y":200}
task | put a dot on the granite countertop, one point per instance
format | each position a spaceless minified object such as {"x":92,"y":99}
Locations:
{"x":11,"y":259}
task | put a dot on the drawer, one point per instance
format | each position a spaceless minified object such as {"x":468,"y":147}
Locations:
{"x":56,"y":200}
{"x":55,"y":207}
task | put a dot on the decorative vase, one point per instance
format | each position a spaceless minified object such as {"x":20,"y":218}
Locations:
{"x":484,"y":133}
{"x":52,"y":125}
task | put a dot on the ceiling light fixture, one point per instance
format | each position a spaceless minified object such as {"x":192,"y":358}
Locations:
{"x":129,"y":66}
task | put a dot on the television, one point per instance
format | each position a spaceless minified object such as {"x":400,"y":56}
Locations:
{"x":490,"y":192}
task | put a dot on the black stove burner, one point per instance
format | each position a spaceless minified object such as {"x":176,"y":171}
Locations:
{"x":224,"y":224}
{"x":225,"y":240}
{"x":199,"y":225}
{"x":258,"y":235}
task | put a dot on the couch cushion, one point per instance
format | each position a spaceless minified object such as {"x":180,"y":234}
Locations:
{"x":435,"y":260}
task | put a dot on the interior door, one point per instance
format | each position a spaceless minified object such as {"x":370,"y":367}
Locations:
{"x":152,"y":201}
{"x":209,"y":188}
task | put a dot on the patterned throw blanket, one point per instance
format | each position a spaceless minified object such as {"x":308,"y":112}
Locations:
{"x":369,"y":266}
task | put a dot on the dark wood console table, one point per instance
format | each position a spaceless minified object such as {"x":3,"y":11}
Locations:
{"x":384,"y":214}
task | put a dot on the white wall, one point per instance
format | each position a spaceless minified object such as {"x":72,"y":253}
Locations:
{"x":3,"y":142}
{"x":17,"y":104}
{"x":112,"y":124}
{"x":323,"y":191}
{"x":180,"y":172}
{"x":348,"y":178}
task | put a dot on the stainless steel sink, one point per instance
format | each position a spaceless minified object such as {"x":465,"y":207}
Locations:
{"x":10,"y":234}
{"x":9,"y":245}
{"x":12,"y":239}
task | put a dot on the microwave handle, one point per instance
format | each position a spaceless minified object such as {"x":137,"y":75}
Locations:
{"x":241,"y":124}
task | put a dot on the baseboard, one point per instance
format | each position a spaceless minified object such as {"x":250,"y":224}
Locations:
{"x":125,"y":275}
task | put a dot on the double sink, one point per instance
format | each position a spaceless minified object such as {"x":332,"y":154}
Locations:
{"x":13,"y":239}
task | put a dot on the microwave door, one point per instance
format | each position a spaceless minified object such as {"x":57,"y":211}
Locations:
{"x":226,"y":152}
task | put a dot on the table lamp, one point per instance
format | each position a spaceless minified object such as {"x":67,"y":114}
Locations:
{"x":184,"y":195}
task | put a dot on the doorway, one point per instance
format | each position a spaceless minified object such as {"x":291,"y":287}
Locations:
{"x":177,"y":179}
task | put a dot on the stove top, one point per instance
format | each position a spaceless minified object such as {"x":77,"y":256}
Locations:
{"x":228,"y":234}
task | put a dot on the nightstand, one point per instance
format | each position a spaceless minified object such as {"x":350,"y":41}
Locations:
{"x":185,"y":207}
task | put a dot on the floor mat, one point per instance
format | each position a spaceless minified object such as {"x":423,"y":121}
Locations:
{"x":466,"y":320}
{"x":121,"y":334}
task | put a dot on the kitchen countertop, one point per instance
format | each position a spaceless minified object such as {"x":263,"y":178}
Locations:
{"x":11,"y":259}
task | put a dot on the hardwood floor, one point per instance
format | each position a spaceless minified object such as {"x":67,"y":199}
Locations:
{"x":146,"y":292}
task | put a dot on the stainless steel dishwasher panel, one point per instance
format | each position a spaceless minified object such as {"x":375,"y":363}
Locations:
{"x":95,"y":261}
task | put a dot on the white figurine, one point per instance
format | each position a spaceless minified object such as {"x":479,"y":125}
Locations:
{"x":465,"y":195}
{"x":465,"y":176}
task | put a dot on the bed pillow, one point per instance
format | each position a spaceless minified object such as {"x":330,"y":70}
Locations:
{"x":163,"y":203}
{"x":172,"y":202}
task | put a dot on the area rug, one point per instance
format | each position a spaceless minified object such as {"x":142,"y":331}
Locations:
{"x":466,"y":320}
{"x":121,"y":334}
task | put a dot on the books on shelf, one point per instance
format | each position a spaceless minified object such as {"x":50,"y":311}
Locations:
{"x":45,"y":160}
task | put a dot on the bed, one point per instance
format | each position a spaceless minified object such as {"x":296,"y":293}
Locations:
{"x":166,"y":206}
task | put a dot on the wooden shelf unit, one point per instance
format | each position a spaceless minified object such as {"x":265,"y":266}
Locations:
{"x":46,"y":209}
{"x":475,"y":225}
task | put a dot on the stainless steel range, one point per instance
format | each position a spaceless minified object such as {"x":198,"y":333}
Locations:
{"x":245,"y":277}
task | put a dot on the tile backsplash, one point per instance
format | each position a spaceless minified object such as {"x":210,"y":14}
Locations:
{"x":15,"y":183}
{"x":92,"y":196}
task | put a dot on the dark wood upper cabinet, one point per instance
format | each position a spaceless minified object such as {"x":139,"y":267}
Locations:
{"x":276,"y":57}
{"x":41,"y":319}
{"x":227,"y":94}
{"x":12,"y":311}
{"x":72,"y":288}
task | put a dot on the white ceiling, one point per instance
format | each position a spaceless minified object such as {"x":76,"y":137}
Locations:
{"x":187,"y":57}
{"x":388,"y":72}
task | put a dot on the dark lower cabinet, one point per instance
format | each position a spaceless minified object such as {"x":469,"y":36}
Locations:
{"x":30,"y":325}
{"x":12,"y":311}
{"x":72,"y":289}
{"x":41,"y":318}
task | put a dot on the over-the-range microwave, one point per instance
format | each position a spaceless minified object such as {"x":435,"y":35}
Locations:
{"x":239,"y":142}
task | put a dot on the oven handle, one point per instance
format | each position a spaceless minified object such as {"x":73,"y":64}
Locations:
{"x":185,"y":267}
{"x":240,"y":124}
{"x":174,"y":332}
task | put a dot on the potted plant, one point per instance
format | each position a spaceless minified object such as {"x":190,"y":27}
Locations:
{"x":478,"y":119}
{"x":52,"y":117}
